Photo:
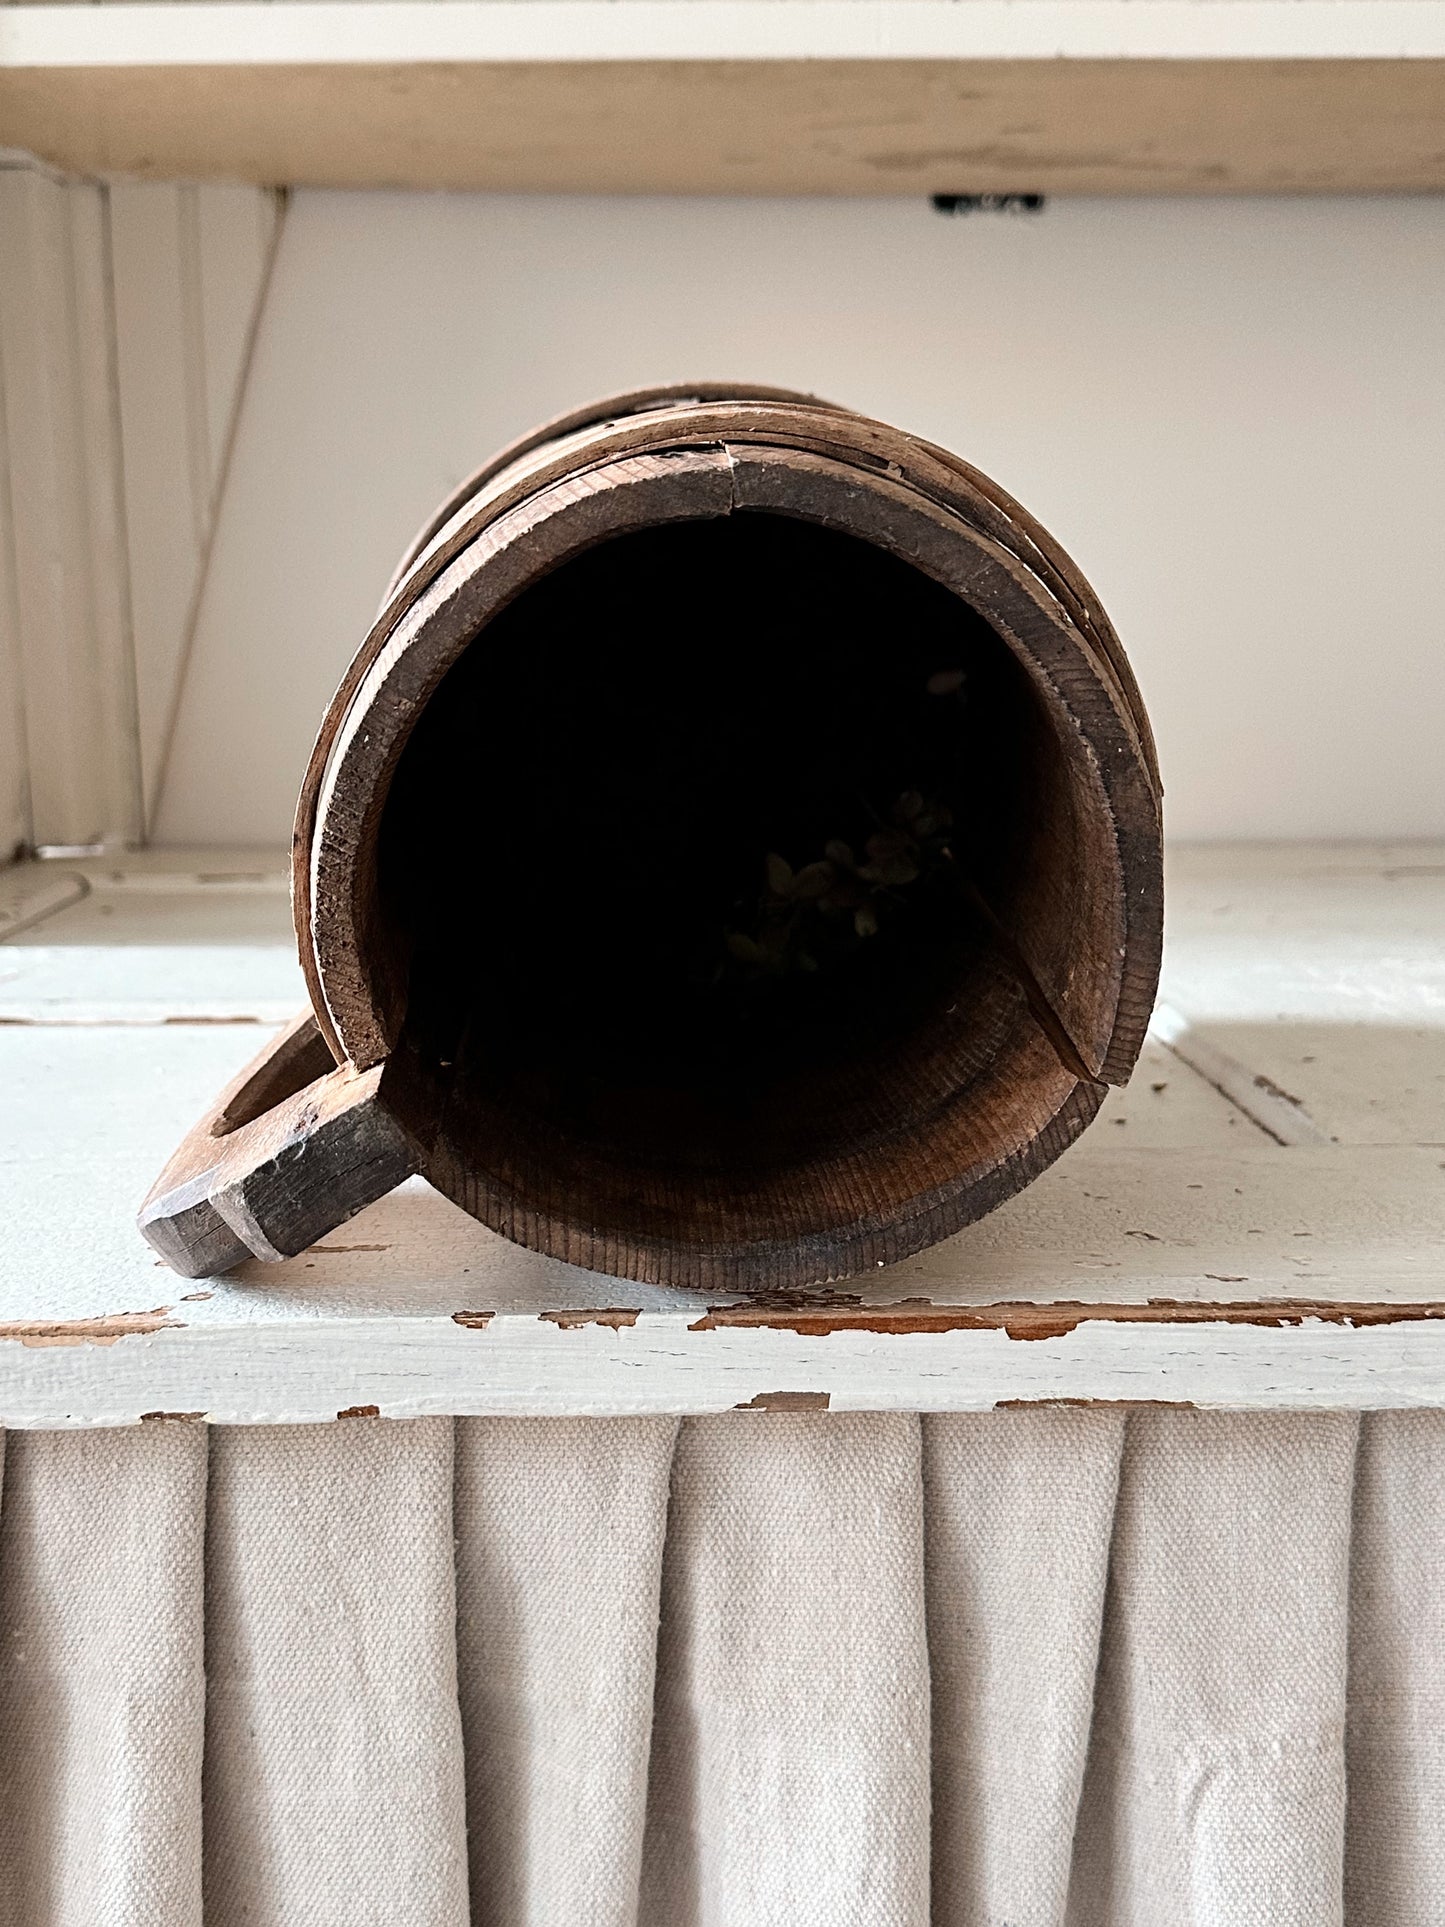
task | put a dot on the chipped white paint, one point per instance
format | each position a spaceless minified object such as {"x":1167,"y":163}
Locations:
{"x":31,"y":892}
{"x":205,"y":941}
{"x":1116,"y":1276}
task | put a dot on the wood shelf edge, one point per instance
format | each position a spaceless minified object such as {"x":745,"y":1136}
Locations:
{"x":742,"y":125}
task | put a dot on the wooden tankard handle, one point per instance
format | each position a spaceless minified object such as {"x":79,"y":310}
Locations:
{"x":294,"y":1147}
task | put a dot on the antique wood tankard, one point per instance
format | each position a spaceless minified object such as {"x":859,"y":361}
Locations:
{"x":732,"y":860}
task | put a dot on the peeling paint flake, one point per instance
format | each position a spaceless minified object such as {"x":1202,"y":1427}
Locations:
{"x":91,"y":1331}
{"x":617,"y":1316}
{"x":786,"y":1402}
{"x":476,"y":1321}
{"x":1096,"y":1404}
{"x":360,"y":1411}
{"x":1268,"y":1085}
{"x":1024,"y":1320}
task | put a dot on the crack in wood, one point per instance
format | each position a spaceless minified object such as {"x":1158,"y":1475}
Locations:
{"x":1041,"y":1006}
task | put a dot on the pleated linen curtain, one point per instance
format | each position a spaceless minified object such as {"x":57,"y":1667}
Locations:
{"x":1049,"y":1668}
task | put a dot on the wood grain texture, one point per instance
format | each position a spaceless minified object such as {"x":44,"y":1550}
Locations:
{"x":754,"y":127}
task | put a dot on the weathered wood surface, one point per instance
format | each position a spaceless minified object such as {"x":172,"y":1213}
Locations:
{"x":717,"y":96}
{"x":1178,"y":1253}
{"x":293,"y":1148}
{"x":988,"y":1088}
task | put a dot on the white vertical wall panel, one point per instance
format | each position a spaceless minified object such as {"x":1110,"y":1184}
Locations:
{"x":235,"y":230}
{"x":190,"y":265}
{"x":68,"y":554}
{"x":126,"y":319}
{"x":1231,"y":411}
{"x":14,"y":765}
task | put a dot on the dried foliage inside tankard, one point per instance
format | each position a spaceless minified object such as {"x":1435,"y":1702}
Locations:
{"x":806,"y":919}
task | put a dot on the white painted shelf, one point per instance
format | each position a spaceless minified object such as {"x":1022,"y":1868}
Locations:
{"x":762,"y":96}
{"x":1179,"y":1252}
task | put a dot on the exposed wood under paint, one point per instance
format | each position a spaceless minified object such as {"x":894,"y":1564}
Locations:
{"x":1177,"y":1255}
{"x":1056,"y":1319}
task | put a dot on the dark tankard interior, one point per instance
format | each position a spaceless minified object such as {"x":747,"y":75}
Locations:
{"x":595,"y":863}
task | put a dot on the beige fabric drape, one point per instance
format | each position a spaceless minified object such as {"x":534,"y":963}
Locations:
{"x":334,"y":1783}
{"x":790,"y":1747}
{"x":1018,"y":1512}
{"x":1216,"y":1782}
{"x":1051,"y":1668}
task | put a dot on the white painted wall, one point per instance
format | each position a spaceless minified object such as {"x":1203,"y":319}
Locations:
{"x":1232,"y":412}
